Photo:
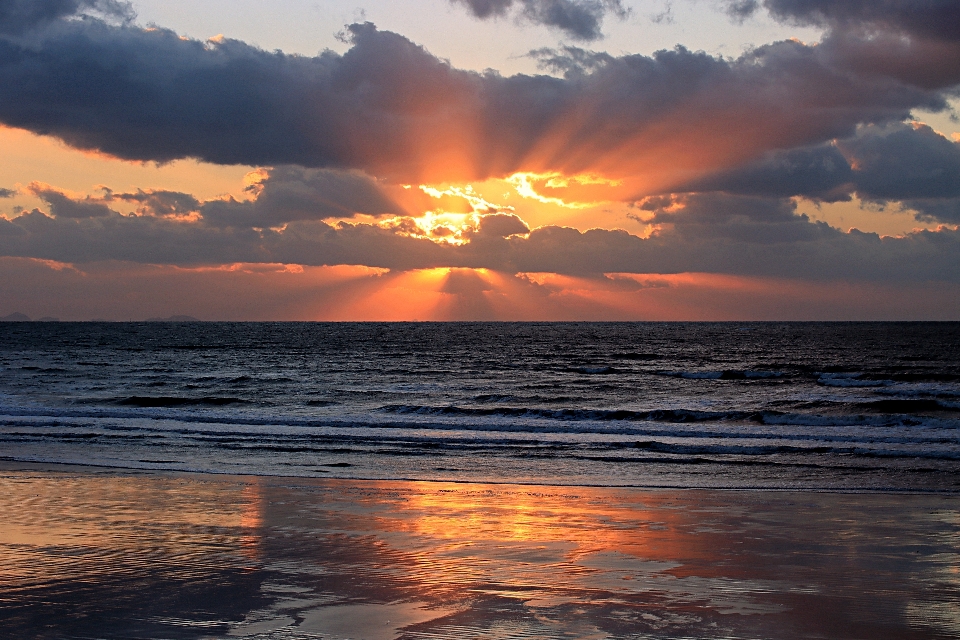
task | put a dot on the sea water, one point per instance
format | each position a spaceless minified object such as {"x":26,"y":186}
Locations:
{"x":848,"y":406}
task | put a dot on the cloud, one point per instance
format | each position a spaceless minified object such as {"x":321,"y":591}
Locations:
{"x":746,"y":219}
{"x":821,"y":173}
{"x":935,"y":209}
{"x":290,"y":193}
{"x":938,"y":19}
{"x":7,"y":193}
{"x":707,"y":233}
{"x":909,"y":163}
{"x":390,"y":109}
{"x":501,"y":225}
{"x":740,"y":10}
{"x":897,"y":162}
{"x":62,"y":206}
{"x":19,"y":16}
{"x":578,"y":19}
{"x":158,"y":202}
{"x":158,"y":240}
{"x":570,"y":61}
{"x":278,"y":196}
{"x":916,"y":41}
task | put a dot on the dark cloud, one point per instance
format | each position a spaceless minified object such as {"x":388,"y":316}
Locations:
{"x":916,"y":41}
{"x":898,"y":162}
{"x":7,"y":193}
{"x":932,"y":18}
{"x":158,"y":240}
{"x":62,"y":206}
{"x":800,"y":250}
{"x":158,"y":202}
{"x":935,"y":209}
{"x":915,"y":60}
{"x":19,"y":16}
{"x":740,"y":10}
{"x":748,"y":219}
{"x":821,"y":173}
{"x":291,"y":193}
{"x":392,"y":110}
{"x":501,"y":225}
{"x":909,"y":163}
{"x":281,"y":195}
{"x":579,"y":19}
{"x":570,"y":61}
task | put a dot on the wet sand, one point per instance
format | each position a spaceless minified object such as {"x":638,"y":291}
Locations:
{"x":102,"y":553}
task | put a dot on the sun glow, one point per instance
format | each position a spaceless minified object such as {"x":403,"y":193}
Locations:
{"x":442,"y":227}
{"x":476,"y":201}
{"x":453,"y":210}
{"x":524,"y":185}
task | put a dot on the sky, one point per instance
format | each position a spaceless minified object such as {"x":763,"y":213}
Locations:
{"x":480,"y":159}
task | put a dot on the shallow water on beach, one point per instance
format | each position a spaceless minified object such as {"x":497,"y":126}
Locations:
{"x":143,"y":555}
{"x":854,"y":406}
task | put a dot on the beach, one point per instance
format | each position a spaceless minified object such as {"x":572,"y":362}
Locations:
{"x":108,"y":553}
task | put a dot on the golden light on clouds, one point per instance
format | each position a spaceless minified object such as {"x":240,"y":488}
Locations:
{"x":34,"y":158}
{"x":525,"y":184}
{"x":447,"y":228}
{"x":452,"y":211}
{"x":477,"y":202}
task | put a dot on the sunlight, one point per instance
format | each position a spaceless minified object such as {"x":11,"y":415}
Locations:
{"x":441,"y":227}
{"x":524,"y":184}
{"x":581,"y":201}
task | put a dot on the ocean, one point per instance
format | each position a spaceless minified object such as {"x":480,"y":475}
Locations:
{"x":798,"y":406}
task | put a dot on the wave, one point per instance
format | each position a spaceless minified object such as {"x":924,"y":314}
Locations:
{"x":593,"y":370}
{"x":901,"y":406}
{"x":850,"y":380}
{"x":506,"y":434}
{"x":235,"y":411}
{"x":726,"y":374}
{"x":660,"y":415}
{"x":894,"y":413}
{"x":419,"y":445}
{"x":175,"y":401}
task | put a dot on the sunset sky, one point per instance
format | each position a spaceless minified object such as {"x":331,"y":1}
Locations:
{"x":480,"y":159}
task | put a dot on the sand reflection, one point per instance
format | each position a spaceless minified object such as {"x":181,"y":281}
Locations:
{"x":251,"y":519}
{"x":92,"y":553}
{"x":117,"y":555}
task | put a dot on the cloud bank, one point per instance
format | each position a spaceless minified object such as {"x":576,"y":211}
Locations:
{"x":389,"y":108}
{"x":746,"y":235}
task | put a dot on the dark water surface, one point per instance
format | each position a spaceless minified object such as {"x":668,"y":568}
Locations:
{"x":857,"y":406}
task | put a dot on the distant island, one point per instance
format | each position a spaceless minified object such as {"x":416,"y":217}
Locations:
{"x":174,"y":319}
